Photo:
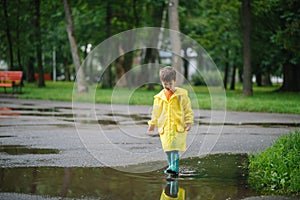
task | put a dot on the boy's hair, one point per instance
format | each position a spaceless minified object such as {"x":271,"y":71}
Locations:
{"x":167,"y":74}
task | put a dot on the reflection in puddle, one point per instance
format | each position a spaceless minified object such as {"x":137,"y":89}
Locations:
{"x":172,"y":190}
{"x":20,"y":150}
{"x":8,"y":112}
{"x":212,"y":177}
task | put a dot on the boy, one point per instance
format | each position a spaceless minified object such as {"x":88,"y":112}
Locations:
{"x":173,"y":115}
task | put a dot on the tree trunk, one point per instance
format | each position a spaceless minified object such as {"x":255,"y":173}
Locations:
{"x":226,"y":75}
{"x":247,"y":72}
{"x":120,"y":72}
{"x":107,"y":74}
{"x":232,"y":84}
{"x":30,"y":70}
{"x":226,"y":69}
{"x":175,"y":40}
{"x":34,"y":183}
{"x":66,"y":182}
{"x":81,"y":84}
{"x":148,"y":73}
{"x":266,"y":79}
{"x":127,"y":64}
{"x":258,"y":77}
{"x":153,"y":56}
{"x":128,"y":58}
{"x":67,"y":70}
{"x":291,"y":74}
{"x":185,"y":64}
{"x":20,"y":65}
{"x":38,"y":44}
{"x":8,"y":35}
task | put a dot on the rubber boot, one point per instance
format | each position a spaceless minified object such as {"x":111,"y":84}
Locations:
{"x":168,"y":154}
{"x":171,"y":188}
{"x":174,"y":167}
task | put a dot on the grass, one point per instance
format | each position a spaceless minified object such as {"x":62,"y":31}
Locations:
{"x":276,"y":170}
{"x":263,"y":100}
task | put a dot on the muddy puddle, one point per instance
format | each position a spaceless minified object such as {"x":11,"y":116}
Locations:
{"x":214,"y":177}
{"x":21,"y":149}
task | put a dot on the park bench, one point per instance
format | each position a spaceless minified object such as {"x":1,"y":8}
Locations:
{"x":11,"y":79}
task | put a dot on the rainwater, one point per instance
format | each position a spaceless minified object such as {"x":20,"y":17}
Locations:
{"x":220,"y":176}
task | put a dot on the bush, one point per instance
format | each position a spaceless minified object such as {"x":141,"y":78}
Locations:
{"x":276,"y":170}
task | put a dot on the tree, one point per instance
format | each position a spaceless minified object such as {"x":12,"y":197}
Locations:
{"x":277,"y":33}
{"x":247,"y":73}
{"x":107,"y":75}
{"x":8,"y":34}
{"x":216,"y":26}
{"x":38,"y":44}
{"x":175,"y":39}
{"x":81,"y":84}
{"x":287,"y":40}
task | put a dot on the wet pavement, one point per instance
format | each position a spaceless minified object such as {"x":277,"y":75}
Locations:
{"x":40,"y":140}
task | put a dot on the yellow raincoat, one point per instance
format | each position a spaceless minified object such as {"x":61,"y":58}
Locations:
{"x":170,"y":116}
{"x":180,"y":195}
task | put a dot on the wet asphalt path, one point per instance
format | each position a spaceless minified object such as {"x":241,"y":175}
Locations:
{"x":103,"y":135}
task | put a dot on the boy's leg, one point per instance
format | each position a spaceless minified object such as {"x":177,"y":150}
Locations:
{"x":168,"y":155}
{"x":174,"y":167}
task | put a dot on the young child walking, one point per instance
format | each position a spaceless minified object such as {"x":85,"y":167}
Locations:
{"x":173,"y":115}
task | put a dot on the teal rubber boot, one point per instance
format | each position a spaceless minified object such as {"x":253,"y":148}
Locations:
{"x":171,"y":188}
{"x":174,"y":167}
{"x":168,"y":154}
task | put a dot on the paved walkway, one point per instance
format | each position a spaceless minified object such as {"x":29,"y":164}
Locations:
{"x":87,"y":135}
{"x":105,"y":135}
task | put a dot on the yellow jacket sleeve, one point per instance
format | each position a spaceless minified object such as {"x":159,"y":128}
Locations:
{"x":156,"y":112}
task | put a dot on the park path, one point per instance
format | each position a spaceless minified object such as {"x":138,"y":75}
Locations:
{"x":97,"y":134}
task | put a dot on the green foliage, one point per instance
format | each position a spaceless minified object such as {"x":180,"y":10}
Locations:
{"x":277,"y":169}
{"x":216,"y":25}
{"x":275,"y":33}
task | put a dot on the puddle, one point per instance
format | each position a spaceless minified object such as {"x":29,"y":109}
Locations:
{"x":35,"y":109}
{"x":39,"y":112}
{"x":265,"y":125}
{"x":5,"y":136}
{"x":48,"y":115}
{"x":20,"y":150}
{"x":136,"y":117}
{"x":107,"y":122}
{"x":213,"y":177}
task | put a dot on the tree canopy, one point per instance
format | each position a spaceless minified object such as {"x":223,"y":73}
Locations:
{"x":30,"y":34}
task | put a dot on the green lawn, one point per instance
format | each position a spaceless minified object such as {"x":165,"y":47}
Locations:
{"x":265,"y":99}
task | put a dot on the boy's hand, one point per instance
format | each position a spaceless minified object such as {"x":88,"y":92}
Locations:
{"x":151,"y":128}
{"x":188,"y":126}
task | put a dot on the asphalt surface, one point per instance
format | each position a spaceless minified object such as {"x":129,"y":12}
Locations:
{"x":37,"y":133}
{"x":116,"y":135}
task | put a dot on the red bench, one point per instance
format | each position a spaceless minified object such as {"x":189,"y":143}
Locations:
{"x":11,"y":79}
